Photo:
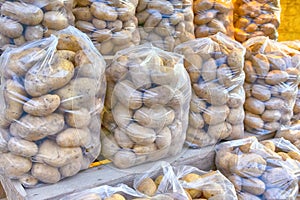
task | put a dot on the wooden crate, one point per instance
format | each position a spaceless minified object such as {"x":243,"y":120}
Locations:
{"x":104,"y":174}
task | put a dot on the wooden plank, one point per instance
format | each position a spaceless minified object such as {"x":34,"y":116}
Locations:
{"x":106,"y":174}
{"x":260,"y":137}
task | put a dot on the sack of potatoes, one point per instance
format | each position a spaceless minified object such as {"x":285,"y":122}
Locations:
{"x":145,"y":118}
{"x":256,"y":171}
{"x":215,"y":66}
{"x":52,"y":94}
{"x":256,"y":18}
{"x":211,"y":17}
{"x":296,"y":111}
{"x":110,"y":24}
{"x":104,"y":192}
{"x":165,"y":23}
{"x":199,"y":184}
{"x":271,"y":85}
{"x":159,"y":183}
{"x":28,"y":20}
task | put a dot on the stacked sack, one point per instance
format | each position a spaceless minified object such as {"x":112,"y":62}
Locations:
{"x":211,"y":17}
{"x":28,"y":20}
{"x":110,"y":24}
{"x":271,"y":85}
{"x":148,"y":94}
{"x":215,"y":65}
{"x":256,"y":18}
{"x":164,"y":23}
{"x":51,"y":98}
{"x":256,"y":171}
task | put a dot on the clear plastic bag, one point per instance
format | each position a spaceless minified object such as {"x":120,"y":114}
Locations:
{"x":206,"y":185}
{"x":145,"y":116}
{"x":256,"y":18}
{"x":160,"y":182}
{"x":256,"y":171}
{"x":211,"y":17}
{"x":28,"y":20}
{"x":271,"y":85}
{"x":104,"y":192}
{"x":111,"y":25}
{"x":165,"y":24}
{"x":52,"y":94}
{"x":215,"y":65}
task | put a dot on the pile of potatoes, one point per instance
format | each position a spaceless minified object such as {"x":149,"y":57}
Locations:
{"x":256,"y":18}
{"x":29,"y":20}
{"x":51,"y":100}
{"x":256,"y":171}
{"x":215,"y":66}
{"x":271,"y":85}
{"x":211,"y":17}
{"x":165,"y":23}
{"x":110,"y":24}
{"x":206,"y":185}
{"x":145,"y":116}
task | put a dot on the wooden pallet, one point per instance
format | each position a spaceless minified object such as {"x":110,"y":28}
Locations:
{"x":103,"y":175}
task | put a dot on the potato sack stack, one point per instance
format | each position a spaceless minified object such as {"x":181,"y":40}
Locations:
{"x":145,"y":116}
{"x":111,"y":24}
{"x":28,"y":20}
{"x":215,"y":65}
{"x":271,"y":85}
{"x":51,"y":98}
{"x":164,"y":23}
{"x":256,"y":171}
{"x":213,"y":16}
{"x":256,"y":18}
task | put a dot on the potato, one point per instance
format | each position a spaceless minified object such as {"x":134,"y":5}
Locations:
{"x":271,"y":115}
{"x":158,"y":95}
{"x":196,"y":120}
{"x":274,"y":103}
{"x":271,"y":176}
{"x":24,"y":13}
{"x":28,"y":180}
{"x":78,"y":118}
{"x":247,"y":196}
{"x":147,"y":186}
{"x":254,"y":106}
{"x":124,"y":159}
{"x":154,"y":117}
{"x":70,"y":169}
{"x":236,"y":181}
{"x":73,"y":137}
{"x":164,"y":138}
{"x":250,"y":165}
{"x":115,"y":197}
{"x":51,"y":77}
{"x":42,"y":106}
{"x":261,"y":92}
{"x":14,"y":30}
{"x":35,"y":128}
{"x":14,"y":166}
{"x":140,"y":134}
{"x":276,"y":77}
{"x":33,"y":33}
{"x":56,"y":156}
{"x":127,"y":95}
{"x":14,"y":95}
{"x":253,"y":186}
{"x":82,"y":13}
{"x":21,"y":147}
{"x":68,"y":42}
{"x":209,"y":70}
{"x":103,"y":12}
{"x":220,"y":131}
{"x":236,"y":116}
{"x":45,"y":173}
{"x":83,"y":88}
{"x":215,"y":114}
{"x":211,"y":190}
{"x":16,"y":67}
